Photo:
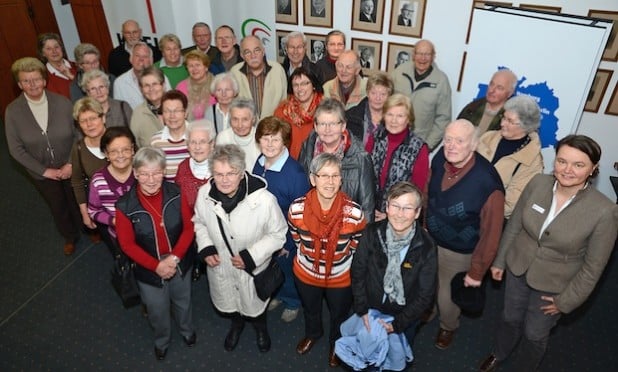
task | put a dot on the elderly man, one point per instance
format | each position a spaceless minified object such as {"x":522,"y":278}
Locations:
{"x":335,"y":45}
{"x":429,"y":91}
{"x":229,"y":51}
{"x":296,"y":46}
{"x":348,"y":87}
{"x":402,"y":57}
{"x":318,"y":8}
{"x":118,"y":59}
{"x":318,"y":51}
{"x":465,"y":213}
{"x":202,"y":37}
{"x":405,"y":17}
{"x":486,"y":113}
{"x":241,"y":132}
{"x":366,"y":11}
{"x":126,"y":86}
{"x":262,"y":81}
{"x":330,"y":135}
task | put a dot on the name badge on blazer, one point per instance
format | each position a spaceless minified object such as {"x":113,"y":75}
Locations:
{"x":407,"y":265}
{"x":538,"y":208}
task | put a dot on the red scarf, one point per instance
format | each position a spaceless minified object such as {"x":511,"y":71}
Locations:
{"x":324,"y":228}
{"x":342,"y":148}
{"x":294,"y":113}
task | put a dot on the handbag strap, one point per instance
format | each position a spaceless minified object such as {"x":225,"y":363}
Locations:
{"x":227,"y":244}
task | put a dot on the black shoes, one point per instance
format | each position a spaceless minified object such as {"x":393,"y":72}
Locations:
{"x":191,"y":340}
{"x":160,"y":354}
{"x":489,"y":364}
{"x":231,"y":340}
{"x":263,"y":341}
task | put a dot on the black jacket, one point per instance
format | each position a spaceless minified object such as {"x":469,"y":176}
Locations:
{"x":418,"y":271}
{"x":355,"y":118}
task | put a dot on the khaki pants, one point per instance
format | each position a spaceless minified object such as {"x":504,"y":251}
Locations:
{"x":449,"y":264}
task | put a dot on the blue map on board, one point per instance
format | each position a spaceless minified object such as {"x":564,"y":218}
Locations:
{"x":546,"y":100}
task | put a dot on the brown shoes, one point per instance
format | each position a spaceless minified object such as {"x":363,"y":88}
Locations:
{"x":305,"y":345}
{"x":444,"y":339}
{"x":68,"y":249}
{"x":489,"y":364}
{"x":333,"y":359}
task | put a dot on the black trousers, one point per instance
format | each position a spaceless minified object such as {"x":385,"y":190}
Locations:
{"x":63,"y":206}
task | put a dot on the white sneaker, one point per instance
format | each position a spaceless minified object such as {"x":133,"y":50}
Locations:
{"x":273,"y":304}
{"x":289,"y":315}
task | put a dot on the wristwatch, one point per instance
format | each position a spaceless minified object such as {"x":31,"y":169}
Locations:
{"x":176,"y":259}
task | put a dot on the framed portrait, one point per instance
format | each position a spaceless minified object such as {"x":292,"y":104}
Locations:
{"x":597,"y":90}
{"x":544,"y":8}
{"x":368,"y":15}
{"x":398,"y":54}
{"x":316,"y":47}
{"x":611,"y":49}
{"x":281,"y":52}
{"x":318,"y":13}
{"x":407,"y":17}
{"x":612,"y":107}
{"x":481,"y":4}
{"x":370,"y":54}
{"x":286,"y":11}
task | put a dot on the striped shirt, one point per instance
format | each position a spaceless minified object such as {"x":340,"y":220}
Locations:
{"x":175,"y":151}
{"x":104,"y":192}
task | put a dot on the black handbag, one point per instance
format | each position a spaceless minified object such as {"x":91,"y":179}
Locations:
{"x":124,"y":282}
{"x":267,"y":281}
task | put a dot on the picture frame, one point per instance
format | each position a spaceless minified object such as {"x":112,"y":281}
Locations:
{"x":611,"y":49}
{"x":407,"y":18}
{"x":368,"y":23}
{"x":313,"y":41}
{"x":280,"y":48}
{"x":480,"y":4}
{"x":286,"y":11}
{"x":597,"y":90}
{"x":393,"y":59}
{"x":543,"y":8}
{"x":612,"y":106}
{"x":318,"y":13}
{"x":370,"y":54}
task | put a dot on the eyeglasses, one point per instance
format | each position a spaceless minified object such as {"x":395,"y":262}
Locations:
{"x":100,"y":88}
{"x":146,"y":175}
{"x":90,"y":119}
{"x":328,"y":177}
{"x":510,"y":121}
{"x":124,"y":151}
{"x":398,"y":208}
{"x":220,"y":176}
{"x":91,"y":64}
{"x":256,"y":51}
{"x":328,"y":125}
{"x":224,"y":90}
{"x":302,"y":84}
{"x":35,"y":81}
{"x":173,"y":112}
{"x":199,"y":143}
{"x":295,"y":47}
{"x":150,"y":86}
{"x":423,"y":54}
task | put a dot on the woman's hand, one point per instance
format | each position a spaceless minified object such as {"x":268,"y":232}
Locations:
{"x":379,"y":216}
{"x":238,"y":263}
{"x":496,"y":273}
{"x":88,"y":221}
{"x":550,"y":309}
{"x":213,"y":260}
{"x":66,"y":171}
{"x":52,"y":174}
{"x":166,"y":268}
{"x":388,"y":327}
{"x":366,"y":322}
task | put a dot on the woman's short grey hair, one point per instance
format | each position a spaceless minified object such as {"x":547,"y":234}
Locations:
{"x":528,"y":111}
{"x":243,"y":103}
{"x":231,"y":154}
{"x":85,"y":48}
{"x":224,"y":76}
{"x":154,"y":71}
{"x":330,"y":106}
{"x":321,"y":160}
{"x":92,"y":75}
{"x":202,"y":125}
{"x":149,"y":156}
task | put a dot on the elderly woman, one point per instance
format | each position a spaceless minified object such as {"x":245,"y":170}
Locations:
{"x":552,"y":253}
{"x":194,"y":171}
{"x":243,"y":117}
{"x":109,"y":183}
{"x":87,"y":58}
{"x":395,"y":268}
{"x":146,"y":119}
{"x":515,"y":149}
{"x":86,"y":154}
{"x":225,"y":88}
{"x":154,"y":227}
{"x":172,"y":138}
{"x":397,"y":153}
{"x":330,"y":135}
{"x":97,"y":84}
{"x":287,"y":181}
{"x":304,"y":94}
{"x":40,"y":133}
{"x":197,"y":87}
{"x":60,"y":71}
{"x":171,"y":64}
{"x":365,"y":118}
{"x":233,"y":249}
{"x":326,"y":225}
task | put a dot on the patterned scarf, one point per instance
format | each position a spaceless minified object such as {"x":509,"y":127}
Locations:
{"x":393,"y":283}
{"x":342,"y":148}
{"x":293,"y":111}
{"x":324,"y":228}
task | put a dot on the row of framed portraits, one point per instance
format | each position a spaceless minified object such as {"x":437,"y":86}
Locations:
{"x":597,"y":92}
{"x":406,"y":18}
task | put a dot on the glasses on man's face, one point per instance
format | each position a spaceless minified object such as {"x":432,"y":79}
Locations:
{"x":126,"y":151}
{"x":406,"y":209}
{"x":173,"y":112}
{"x":328,"y":125}
{"x":149,"y":175}
{"x":255,"y":52}
{"x":228,"y":175}
{"x":328,"y":177}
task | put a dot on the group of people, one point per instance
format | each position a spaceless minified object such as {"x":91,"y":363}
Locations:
{"x":220,"y":160}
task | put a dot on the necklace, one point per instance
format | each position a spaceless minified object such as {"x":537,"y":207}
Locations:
{"x":145,"y":198}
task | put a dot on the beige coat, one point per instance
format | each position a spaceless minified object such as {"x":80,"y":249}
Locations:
{"x":275,"y":87}
{"x":530,"y":163}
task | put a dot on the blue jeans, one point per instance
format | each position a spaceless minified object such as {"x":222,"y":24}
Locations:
{"x":288,"y":293}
